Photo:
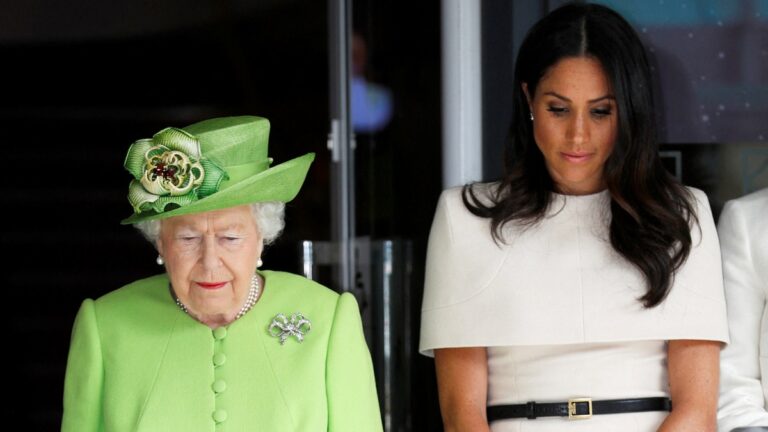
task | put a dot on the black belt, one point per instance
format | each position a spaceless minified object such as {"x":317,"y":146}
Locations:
{"x":581,"y":408}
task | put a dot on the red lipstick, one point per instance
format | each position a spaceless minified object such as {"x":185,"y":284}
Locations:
{"x":211,"y":285}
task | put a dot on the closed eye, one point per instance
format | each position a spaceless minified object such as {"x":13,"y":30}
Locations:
{"x":233,"y":240}
{"x":601,"y":112}
{"x":557,"y":111}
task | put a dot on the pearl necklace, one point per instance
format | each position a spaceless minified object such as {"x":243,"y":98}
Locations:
{"x":253,"y":295}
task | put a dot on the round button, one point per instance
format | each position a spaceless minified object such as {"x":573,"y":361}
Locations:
{"x":219,"y":386}
{"x":219,"y":359}
{"x":219,"y":416}
{"x":220,"y":333}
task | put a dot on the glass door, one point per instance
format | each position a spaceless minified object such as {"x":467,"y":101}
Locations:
{"x":384,"y":163}
{"x":395,"y":122}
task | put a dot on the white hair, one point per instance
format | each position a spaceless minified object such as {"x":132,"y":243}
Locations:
{"x":269,"y":218}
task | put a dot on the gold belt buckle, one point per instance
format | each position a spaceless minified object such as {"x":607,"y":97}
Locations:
{"x":572,"y":409}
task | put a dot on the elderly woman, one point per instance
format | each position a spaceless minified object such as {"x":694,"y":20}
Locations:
{"x":212,"y":343}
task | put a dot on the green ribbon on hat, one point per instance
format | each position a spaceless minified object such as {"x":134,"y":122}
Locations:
{"x":240,"y":172}
{"x":209,"y":165}
{"x":169,"y":170}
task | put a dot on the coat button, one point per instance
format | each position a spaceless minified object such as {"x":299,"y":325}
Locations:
{"x":220,"y":333}
{"x":220,"y":416}
{"x":219,"y":386}
{"x":219,"y":359}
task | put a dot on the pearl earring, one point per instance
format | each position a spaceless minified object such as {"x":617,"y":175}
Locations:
{"x":160,"y":260}
{"x":531,"y":115}
{"x":259,"y":263}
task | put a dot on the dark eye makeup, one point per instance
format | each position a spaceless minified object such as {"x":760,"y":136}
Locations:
{"x":596,"y":112}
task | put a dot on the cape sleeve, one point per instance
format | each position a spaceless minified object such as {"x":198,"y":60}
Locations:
{"x":351,"y":388}
{"x":741,"y":393}
{"x":83,"y":382}
{"x":697,"y":294}
{"x":439,"y":255}
{"x":448,"y":284}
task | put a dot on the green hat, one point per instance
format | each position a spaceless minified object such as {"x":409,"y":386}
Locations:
{"x":211,"y":165}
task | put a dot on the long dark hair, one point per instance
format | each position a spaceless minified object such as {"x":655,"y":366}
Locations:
{"x":651,"y":213}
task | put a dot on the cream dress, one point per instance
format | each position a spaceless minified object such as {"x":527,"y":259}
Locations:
{"x":557,"y":308}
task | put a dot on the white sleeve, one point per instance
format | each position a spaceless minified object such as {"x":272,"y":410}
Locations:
{"x":459,"y":256}
{"x":441,"y":253}
{"x":742,"y":401}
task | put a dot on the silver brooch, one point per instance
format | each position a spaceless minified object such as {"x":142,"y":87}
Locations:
{"x":282,"y":327}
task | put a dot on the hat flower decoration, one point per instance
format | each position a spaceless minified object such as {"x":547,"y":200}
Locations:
{"x":168,"y":169}
{"x":210,"y":165}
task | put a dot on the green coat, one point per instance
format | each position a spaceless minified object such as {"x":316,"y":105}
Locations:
{"x":138,"y":363}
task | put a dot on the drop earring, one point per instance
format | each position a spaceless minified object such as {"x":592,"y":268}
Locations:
{"x":160,"y":260}
{"x":531,"y":115}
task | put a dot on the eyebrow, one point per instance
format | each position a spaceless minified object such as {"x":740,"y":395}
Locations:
{"x":235,"y":226}
{"x":559,"y":96}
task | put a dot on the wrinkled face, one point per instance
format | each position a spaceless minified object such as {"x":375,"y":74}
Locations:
{"x":210,"y":258}
{"x":574,"y":123}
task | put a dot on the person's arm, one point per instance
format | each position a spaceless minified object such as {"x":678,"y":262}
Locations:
{"x":462,"y":381}
{"x":693,"y":383}
{"x":84,"y":379}
{"x":351,"y":388}
{"x":741,"y":392}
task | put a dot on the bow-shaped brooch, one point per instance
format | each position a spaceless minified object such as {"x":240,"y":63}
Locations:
{"x":282,"y":327}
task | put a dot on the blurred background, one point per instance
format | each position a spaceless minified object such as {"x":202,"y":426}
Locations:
{"x":398,"y":99}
